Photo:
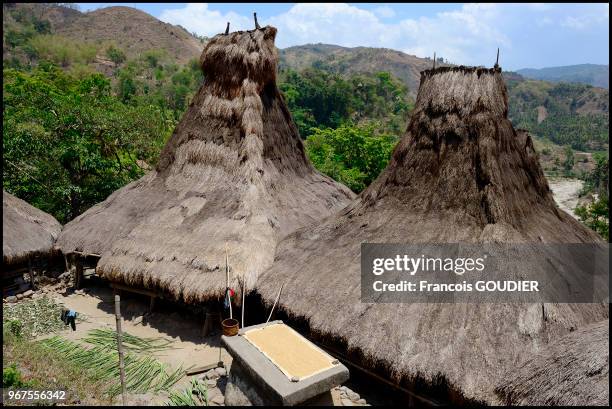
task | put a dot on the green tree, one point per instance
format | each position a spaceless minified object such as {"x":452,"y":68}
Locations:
{"x":352,"y":155}
{"x":69,"y":143}
{"x":596,"y":216}
{"x":568,"y":163}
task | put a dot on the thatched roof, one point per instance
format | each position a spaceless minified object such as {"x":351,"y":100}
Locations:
{"x":26,"y":230}
{"x":234,"y":172}
{"x":572,"y":371}
{"x":460,"y":174}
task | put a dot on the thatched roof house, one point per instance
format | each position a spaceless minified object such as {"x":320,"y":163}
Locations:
{"x":572,"y":371}
{"x":234,"y":172}
{"x":26,"y":230}
{"x":460,"y":174}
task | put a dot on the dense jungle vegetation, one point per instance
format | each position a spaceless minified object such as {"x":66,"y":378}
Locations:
{"x":82,"y":118}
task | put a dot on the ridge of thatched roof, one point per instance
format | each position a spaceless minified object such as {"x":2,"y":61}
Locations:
{"x":26,"y":230}
{"x":572,"y":371}
{"x":460,"y":174}
{"x":233,"y":173}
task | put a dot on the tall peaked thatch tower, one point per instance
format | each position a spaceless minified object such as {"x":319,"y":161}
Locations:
{"x":233,"y":175}
{"x":460,"y":174}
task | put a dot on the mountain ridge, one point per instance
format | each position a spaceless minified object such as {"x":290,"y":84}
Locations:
{"x":596,"y":75}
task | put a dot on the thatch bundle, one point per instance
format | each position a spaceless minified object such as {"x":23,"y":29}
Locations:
{"x":461,"y":174}
{"x":234,"y":172}
{"x":26,"y":230}
{"x":574,"y":370}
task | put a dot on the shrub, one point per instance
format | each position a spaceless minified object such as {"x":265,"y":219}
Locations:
{"x":115,"y":54}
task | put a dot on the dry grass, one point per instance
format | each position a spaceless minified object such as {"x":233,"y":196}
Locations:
{"x":574,"y":370}
{"x":26,"y":230}
{"x":460,"y":174}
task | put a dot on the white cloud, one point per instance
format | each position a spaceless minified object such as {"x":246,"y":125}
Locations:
{"x":198,"y":18}
{"x":587,"y":20}
{"x":334,"y":23}
{"x":467,"y":35}
{"x":455,"y":35}
{"x":384,"y":12}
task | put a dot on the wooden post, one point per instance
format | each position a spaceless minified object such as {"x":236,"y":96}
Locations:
{"x":31,"y":274}
{"x":152,"y":304}
{"x":120,"y":346}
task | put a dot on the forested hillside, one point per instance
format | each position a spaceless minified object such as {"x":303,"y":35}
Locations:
{"x":88,"y":110}
{"x":84,"y":117}
{"x":596,"y":75}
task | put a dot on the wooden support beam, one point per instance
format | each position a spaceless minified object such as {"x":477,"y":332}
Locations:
{"x":142,"y":291}
{"x":78,"y":279}
{"x":31,"y":274}
{"x":211,"y":319}
{"x":84,"y":254}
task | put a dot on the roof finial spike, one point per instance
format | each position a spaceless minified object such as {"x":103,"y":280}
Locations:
{"x":434,"y":61}
{"x":227,"y":29}
{"x":256,"y":23}
{"x":497,"y":60}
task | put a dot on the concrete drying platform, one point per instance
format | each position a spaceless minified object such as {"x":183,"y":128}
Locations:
{"x":256,"y":376}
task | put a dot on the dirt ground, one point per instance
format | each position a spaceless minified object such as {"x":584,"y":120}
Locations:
{"x":189,"y":347}
{"x":565,"y":192}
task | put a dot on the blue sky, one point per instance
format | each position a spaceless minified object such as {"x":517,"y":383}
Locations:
{"x":529,"y":35}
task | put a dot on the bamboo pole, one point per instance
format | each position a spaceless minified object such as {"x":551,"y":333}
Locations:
{"x":120,"y":347}
{"x":227,"y":280}
{"x":275,"y":301}
{"x":243,"y":292}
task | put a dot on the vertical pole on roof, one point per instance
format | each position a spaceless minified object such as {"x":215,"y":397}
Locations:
{"x":120,"y":347}
{"x":434,"y":62}
{"x":243,"y":292}
{"x":227,"y":280}
{"x":275,"y":301}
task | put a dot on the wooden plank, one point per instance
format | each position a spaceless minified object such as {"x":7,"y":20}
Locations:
{"x":142,"y":291}
{"x":204,"y":368}
{"x":84,"y":254}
